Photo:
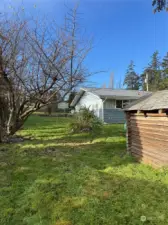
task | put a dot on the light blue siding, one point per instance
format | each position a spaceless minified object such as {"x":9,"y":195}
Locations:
{"x":114,"y":116}
{"x":109,"y":104}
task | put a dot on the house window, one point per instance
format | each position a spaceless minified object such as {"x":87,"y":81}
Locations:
{"x":119,"y":104}
{"x":125,"y":103}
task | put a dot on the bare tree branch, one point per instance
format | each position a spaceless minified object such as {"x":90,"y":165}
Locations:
{"x":38,"y":62}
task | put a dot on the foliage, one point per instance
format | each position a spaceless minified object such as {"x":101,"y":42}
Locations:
{"x":86,"y":121}
{"x":155,"y":62}
{"x":59,"y":178}
{"x":157,"y":71}
{"x":160,"y":5}
{"x":164,"y":73}
{"x":131,"y":80}
{"x":39,"y":63}
{"x":154,"y":73}
{"x":163,"y":84}
{"x":165,"y":66}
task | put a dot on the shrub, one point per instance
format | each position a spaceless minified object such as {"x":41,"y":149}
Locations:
{"x":86,"y":121}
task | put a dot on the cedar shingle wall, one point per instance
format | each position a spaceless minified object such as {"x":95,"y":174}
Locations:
{"x":148,"y":138}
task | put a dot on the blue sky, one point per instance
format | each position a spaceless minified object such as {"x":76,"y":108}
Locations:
{"x":123,"y":30}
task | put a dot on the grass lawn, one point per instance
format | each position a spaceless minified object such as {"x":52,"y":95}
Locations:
{"x":62,"y":179}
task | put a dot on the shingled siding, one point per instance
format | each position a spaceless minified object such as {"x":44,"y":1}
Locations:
{"x":114,"y":116}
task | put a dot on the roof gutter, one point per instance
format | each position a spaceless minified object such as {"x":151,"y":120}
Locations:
{"x":103,"y":101}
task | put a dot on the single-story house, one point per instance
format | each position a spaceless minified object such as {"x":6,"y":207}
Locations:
{"x":107,"y":103}
{"x":147,"y":128}
{"x":63,"y":105}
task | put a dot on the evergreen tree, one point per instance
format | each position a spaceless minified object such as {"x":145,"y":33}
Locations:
{"x":154,"y":73}
{"x":160,"y":5}
{"x":164,"y":74}
{"x":142,"y":81}
{"x":165,"y":66}
{"x":155,"y":62}
{"x":131,"y":80}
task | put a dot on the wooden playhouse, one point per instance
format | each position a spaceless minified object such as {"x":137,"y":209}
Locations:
{"x":147,"y":129}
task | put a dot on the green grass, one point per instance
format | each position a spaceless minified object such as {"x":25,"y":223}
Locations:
{"x":61,"y":179}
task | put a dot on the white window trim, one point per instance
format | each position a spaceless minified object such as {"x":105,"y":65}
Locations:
{"x":122,"y":103}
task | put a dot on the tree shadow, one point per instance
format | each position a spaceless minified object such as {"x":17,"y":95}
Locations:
{"x":78,"y":179}
{"x":79,"y":194}
{"x":107,"y":148}
{"x":96,"y":155}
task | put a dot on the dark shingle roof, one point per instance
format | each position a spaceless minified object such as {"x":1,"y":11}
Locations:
{"x":154,"y":101}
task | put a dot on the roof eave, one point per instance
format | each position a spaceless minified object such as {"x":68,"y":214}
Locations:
{"x":120,"y":97}
{"x":77,"y":98}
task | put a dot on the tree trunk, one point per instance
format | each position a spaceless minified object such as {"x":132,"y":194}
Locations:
{"x":1,"y":134}
{"x":8,"y":128}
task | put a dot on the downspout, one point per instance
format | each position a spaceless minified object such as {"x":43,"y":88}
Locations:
{"x":103,"y":108}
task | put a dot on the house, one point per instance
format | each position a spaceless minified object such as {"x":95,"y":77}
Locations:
{"x":147,"y":129}
{"x":107,"y":103}
{"x":63,"y":105}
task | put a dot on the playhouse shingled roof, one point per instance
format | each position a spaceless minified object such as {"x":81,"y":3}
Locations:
{"x":154,"y":101}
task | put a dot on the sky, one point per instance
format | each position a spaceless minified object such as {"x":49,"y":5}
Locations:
{"x":123,"y":30}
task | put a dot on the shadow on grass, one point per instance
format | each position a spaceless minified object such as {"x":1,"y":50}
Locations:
{"x":78,"y":179}
{"x":50,"y":194}
{"x":95,"y":150}
{"x":97,"y":155}
{"x":115,"y":134}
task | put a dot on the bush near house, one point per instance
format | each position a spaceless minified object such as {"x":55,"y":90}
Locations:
{"x":86,"y":121}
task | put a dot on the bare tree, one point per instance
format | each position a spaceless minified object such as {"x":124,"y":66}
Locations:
{"x":37,"y":62}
